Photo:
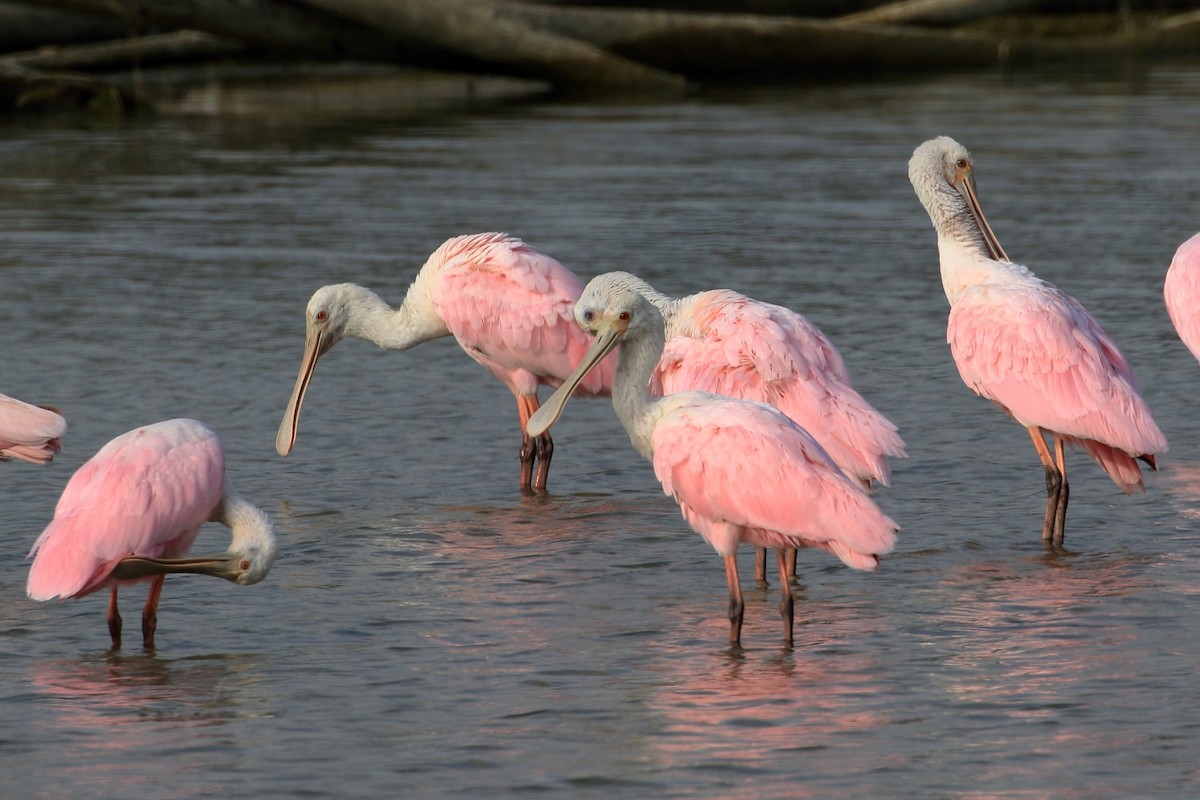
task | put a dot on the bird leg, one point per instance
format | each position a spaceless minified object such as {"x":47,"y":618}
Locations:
{"x":531,"y":448}
{"x":114,"y":619}
{"x":786,"y":603}
{"x":1055,"y":480}
{"x":1064,"y":493}
{"x":791,"y":564}
{"x":760,"y":567}
{"x":543,"y":451}
{"x":736,"y":606}
{"x":150,"y":612}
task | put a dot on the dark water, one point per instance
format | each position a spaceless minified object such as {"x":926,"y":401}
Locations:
{"x":427,"y":631}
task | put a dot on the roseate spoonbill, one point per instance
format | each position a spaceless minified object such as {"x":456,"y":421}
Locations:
{"x":741,"y":471}
{"x":132,"y":512}
{"x":1181,"y":292}
{"x":29,"y":433}
{"x":1026,"y":345}
{"x":507,"y":305}
{"x":725,"y":343}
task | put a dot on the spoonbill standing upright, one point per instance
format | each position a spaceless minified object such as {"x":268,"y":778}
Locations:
{"x":1181,"y":292}
{"x":1026,"y":345}
{"x":29,"y":433}
{"x":741,"y":471}
{"x":507,"y":305}
{"x":723,"y":342}
{"x":133,"y":510}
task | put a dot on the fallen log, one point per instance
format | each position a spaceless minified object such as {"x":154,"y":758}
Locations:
{"x":24,"y":26}
{"x":933,"y":12}
{"x":479,"y":31}
{"x":717,"y":48}
{"x":135,"y":52}
{"x":271,"y":27}
{"x":22,"y":88}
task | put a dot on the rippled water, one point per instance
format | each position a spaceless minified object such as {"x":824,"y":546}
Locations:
{"x":429,"y":632}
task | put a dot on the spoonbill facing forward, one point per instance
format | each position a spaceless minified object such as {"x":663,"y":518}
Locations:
{"x":29,"y":433}
{"x":741,"y":471}
{"x":723,"y":342}
{"x":507,"y":305}
{"x":133,"y":510}
{"x":1026,"y":345}
{"x":1181,"y":292}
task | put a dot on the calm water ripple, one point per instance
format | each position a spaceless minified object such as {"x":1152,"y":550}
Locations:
{"x":428,"y":632}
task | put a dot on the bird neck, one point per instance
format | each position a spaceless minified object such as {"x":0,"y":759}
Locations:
{"x":414,"y":322}
{"x":636,"y":408}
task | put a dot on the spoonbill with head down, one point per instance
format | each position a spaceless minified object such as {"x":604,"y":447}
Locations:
{"x":29,"y":433}
{"x":741,"y":471}
{"x":1026,"y":345}
{"x":133,"y":510}
{"x":1181,"y":293}
{"x":723,"y":342}
{"x":507,"y":305}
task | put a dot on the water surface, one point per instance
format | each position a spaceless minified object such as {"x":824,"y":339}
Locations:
{"x":427,"y":631}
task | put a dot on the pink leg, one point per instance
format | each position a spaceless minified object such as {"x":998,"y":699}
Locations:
{"x":1055,"y":481}
{"x":736,"y":606}
{"x":1060,"y":511}
{"x":539,"y":449}
{"x":786,"y":603}
{"x":760,"y":567}
{"x":150,"y":612}
{"x":114,"y":619}
{"x":791,"y":565}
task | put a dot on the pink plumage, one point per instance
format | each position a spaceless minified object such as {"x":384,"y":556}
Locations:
{"x":134,"y":509}
{"x":1039,"y":355}
{"x":145,"y":493}
{"x":1181,"y":293}
{"x":742,"y":472}
{"x":726,"y":343}
{"x":28,"y":432}
{"x":507,"y":305}
{"x":1027,"y":346}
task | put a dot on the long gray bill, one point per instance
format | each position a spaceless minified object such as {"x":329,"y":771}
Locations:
{"x":285,"y":437}
{"x":224,"y":565}
{"x":967,"y":189}
{"x":552,"y":409}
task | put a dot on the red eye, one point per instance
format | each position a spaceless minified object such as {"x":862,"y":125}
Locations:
{"x":322,"y":315}
{"x":623,"y":316}
{"x":245,"y":564}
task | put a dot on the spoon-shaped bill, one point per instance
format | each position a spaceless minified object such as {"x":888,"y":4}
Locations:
{"x":551,"y":410}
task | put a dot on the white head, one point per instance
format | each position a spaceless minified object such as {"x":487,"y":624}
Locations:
{"x":942,"y":174}
{"x":613,"y":310}
{"x":328,"y":318}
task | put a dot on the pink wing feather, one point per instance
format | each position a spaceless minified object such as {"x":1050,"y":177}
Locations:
{"x":725,"y":343}
{"x":29,"y":432}
{"x":1037,"y":353}
{"x":1181,"y":293}
{"x":733,"y":465}
{"x":146,"y":492}
{"x":511,"y":309}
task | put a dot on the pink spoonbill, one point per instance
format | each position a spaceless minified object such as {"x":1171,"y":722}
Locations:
{"x":723,"y":342}
{"x":29,"y":433}
{"x":132,"y":512}
{"x":1027,"y":346}
{"x":507,"y":305}
{"x":741,"y":471}
{"x":1181,"y":292}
